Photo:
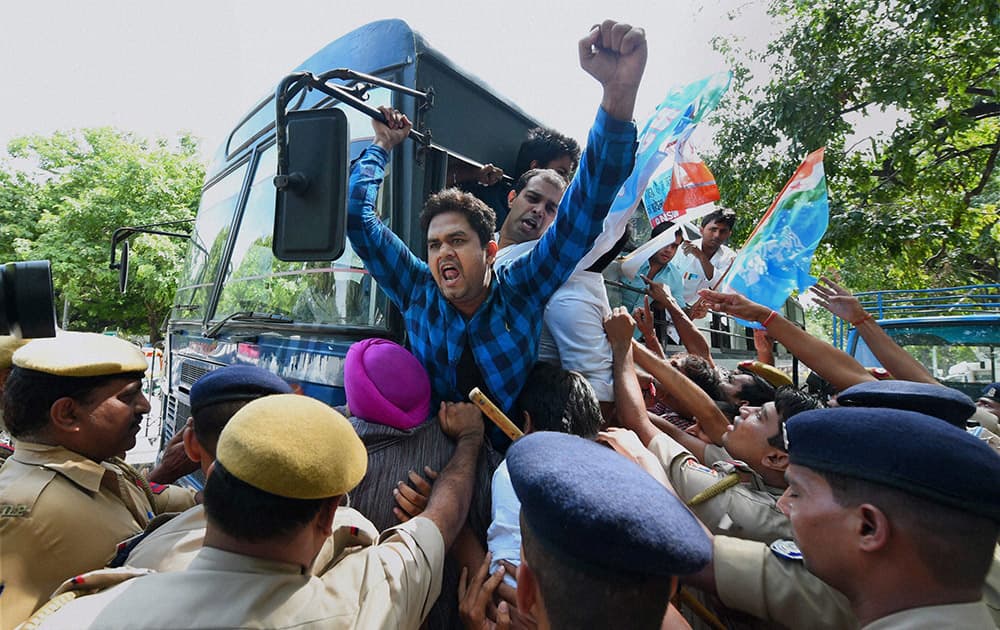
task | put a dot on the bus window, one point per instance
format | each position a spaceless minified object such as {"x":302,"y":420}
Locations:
{"x":208,"y":242}
{"x":336,"y":292}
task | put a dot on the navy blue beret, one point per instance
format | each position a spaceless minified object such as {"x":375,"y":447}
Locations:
{"x":912,"y":452}
{"x":235,"y":382}
{"x":590,"y":506}
{"x":991,"y":391}
{"x":939,"y":401}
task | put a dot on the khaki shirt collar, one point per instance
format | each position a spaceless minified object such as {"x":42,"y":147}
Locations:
{"x":82,"y":471}
{"x":755,"y":481}
{"x":212,"y":558}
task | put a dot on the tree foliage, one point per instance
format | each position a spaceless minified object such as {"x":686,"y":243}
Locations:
{"x":912,"y":204}
{"x":62,"y":196}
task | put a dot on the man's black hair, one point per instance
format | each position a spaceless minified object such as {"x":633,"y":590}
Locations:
{"x":29,"y":395}
{"x":209,"y":421}
{"x":559,"y":400}
{"x":480,"y":216}
{"x":756,"y":393}
{"x":545,"y":173}
{"x":789,"y":401}
{"x":543,"y":146}
{"x":251,"y":514}
{"x":722,"y":215}
{"x":577,"y":596}
{"x":700,"y":371}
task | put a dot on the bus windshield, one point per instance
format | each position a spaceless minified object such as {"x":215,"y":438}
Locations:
{"x":208,"y":244}
{"x":337,"y":292}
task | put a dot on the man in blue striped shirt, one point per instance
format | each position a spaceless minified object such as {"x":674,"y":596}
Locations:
{"x":471,"y":325}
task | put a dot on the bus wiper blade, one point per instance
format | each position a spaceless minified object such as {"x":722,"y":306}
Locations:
{"x":248,"y":316}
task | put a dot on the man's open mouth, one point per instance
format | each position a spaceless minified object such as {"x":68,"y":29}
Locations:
{"x":449,"y":273}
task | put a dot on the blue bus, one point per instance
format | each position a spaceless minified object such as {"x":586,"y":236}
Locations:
{"x":297,"y":312}
{"x":953,"y":331}
{"x":238,"y":303}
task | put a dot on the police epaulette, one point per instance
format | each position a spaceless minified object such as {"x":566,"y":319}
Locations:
{"x":715,"y":489}
{"x":48,"y":609}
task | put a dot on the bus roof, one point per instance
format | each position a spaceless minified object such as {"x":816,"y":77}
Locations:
{"x":374,"y":48}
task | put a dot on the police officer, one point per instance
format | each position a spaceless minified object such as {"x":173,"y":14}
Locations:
{"x":602,"y":541}
{"x":772,"y":583}
{"x":214,"y":398}
{"x":72,"y":403}
{"x":8,"y":345}
{"x":902,"y":517}
{"x":283,"y":464}
{"x":989,"y":402}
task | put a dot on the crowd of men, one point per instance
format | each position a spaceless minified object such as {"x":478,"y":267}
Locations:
{"x":646,"y":491}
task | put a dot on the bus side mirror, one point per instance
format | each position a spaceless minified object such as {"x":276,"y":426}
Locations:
{"x":123,"y":269}
{"x":310,"y":214}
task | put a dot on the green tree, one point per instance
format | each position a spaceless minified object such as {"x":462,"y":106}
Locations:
{"x":62,"y":196}
{"x":912,"y":205}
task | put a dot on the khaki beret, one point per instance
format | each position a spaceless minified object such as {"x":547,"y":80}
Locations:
{"x":293,"y":446}
{"x":81,"y":354}
{"x":771,"y":374}
{"x":9,"y":345}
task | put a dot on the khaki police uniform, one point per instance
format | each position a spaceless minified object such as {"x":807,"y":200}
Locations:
{"x":746,"y":510}
{"x":61,"y":514}
{"x":714,"y":453}
{"x":390,"y":585}
{"x":752,"y":578}
{"x":172,"y":546}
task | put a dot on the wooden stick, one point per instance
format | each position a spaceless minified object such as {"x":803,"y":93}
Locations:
{"x":493,"y":413}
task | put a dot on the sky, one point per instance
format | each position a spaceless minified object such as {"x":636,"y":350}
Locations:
{"x":158,"y":68}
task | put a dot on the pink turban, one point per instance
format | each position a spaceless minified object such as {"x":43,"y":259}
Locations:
{"x":386,"y":384}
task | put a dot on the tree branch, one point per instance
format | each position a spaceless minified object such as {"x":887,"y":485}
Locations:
{"x":991,"y":163}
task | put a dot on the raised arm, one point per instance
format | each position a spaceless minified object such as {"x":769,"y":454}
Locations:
{"x":451,"y":494}
{"x":390,"y":262}
{"x":691,"y":400}
{"x":693,"y":341}
{"x":844,"y":305}
{"x":615,"y":55}
{"x":836,"y":366}
{"x":630,"y":408}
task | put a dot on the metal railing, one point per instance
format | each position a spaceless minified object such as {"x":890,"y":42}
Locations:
{"x":972,"y":299}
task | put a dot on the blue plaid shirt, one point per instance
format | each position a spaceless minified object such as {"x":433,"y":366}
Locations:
{"x":503,"y":333}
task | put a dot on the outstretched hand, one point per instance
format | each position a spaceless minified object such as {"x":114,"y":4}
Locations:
{"x":393,"y":131}
{"x":734,"y":304}
{"x":837,"y":300}
{"x":615,"y":55}
{"x":643,"y":316}
{"x":658,"y":291}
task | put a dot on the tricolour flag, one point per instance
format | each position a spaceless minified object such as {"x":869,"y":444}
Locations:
{"x":687,"y":184}
{"x":673,"y":123}
{"x":776,"y":258}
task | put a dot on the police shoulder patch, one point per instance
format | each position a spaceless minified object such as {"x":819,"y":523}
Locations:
{"x":786,"y":549}
{"x":9,"y":510}
{"x":694,"y":464}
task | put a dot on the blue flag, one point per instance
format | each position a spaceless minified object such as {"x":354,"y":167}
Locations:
{"x":775,"y":260}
